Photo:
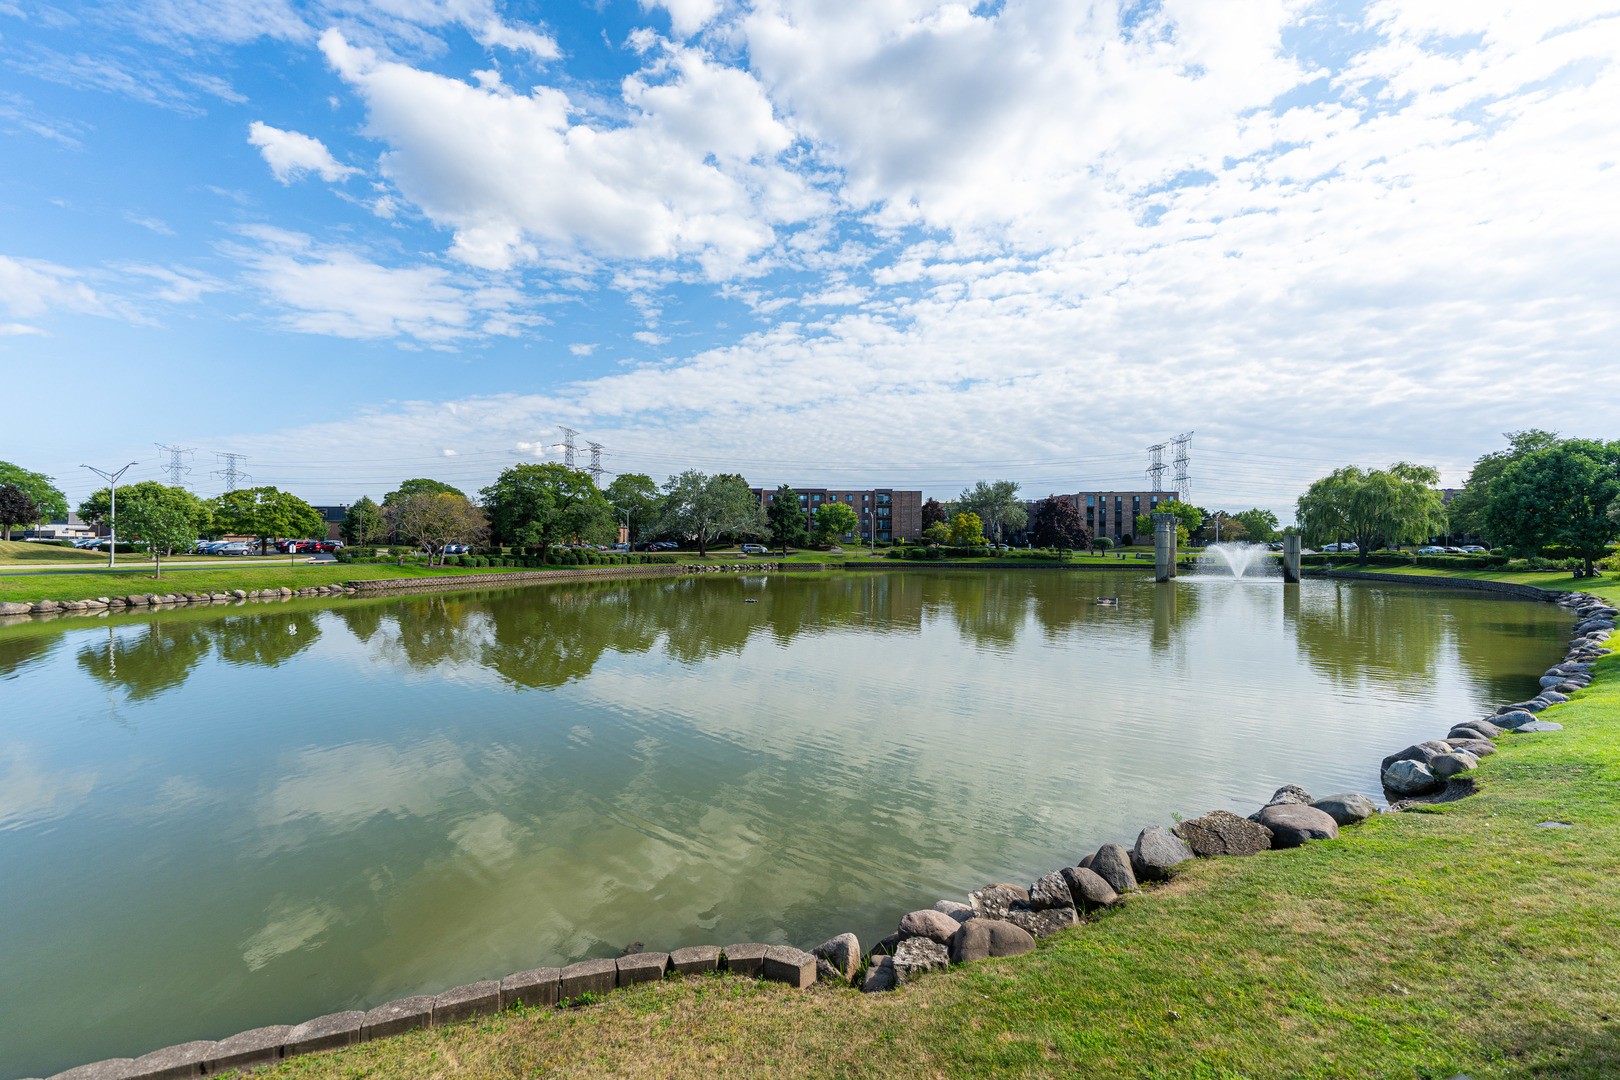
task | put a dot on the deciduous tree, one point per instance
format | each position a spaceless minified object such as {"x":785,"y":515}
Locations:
{"x":933,"y":512}
{"x":546,"y":504}
{"x":437,"y":519}
{"x":835,"y":520}
{"x":1557,"y":495}
{"x":421,"y":486}
{"x":364,"y":523}
{"x":785,"y":518}
{"x":637,"y":493}
{"x":708,"y":507}
{"x":17,"y":507}
{"x":162,"y":524}
{"x":37,"y":486}
{"x":95,"y":509}
{"x":1056,"y":523}
{"x":1375,"y":508}
{"x":1467,"y":512}
{"x":967,"y":529}
{"x":265,"y":513}
{"x":997,"y":505}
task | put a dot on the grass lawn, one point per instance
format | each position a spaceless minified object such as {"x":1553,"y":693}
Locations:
{"x":1460,"y":938}
{"x":264,"y":575}
{"x":1550,"y":579}
{"x":19,"y":551}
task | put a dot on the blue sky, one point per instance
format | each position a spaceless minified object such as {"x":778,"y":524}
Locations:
{"x":895,"y":242}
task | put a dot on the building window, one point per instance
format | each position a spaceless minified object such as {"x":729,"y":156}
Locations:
{"x":815,"y":498}
{"x":1091,"y":500}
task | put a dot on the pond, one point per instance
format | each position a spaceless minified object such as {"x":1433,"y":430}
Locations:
{"x":216,"y":819}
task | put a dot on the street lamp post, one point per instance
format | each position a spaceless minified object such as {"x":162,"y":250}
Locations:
{"x":112,"y":507}
{"x":627,"y":543}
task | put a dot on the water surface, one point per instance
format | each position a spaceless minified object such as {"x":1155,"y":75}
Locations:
{"x":216,"y":819}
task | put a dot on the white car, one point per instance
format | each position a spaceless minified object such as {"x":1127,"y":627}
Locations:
{"x":755,"y":549}
{"x":1431,"y":550}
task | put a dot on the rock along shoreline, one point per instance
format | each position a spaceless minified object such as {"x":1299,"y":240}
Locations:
{"x":998,"y":920}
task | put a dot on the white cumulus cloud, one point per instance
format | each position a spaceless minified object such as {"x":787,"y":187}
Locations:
{"x":291,"y":154}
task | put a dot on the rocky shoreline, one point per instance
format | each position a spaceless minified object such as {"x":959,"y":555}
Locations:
{"x":998,"y":920}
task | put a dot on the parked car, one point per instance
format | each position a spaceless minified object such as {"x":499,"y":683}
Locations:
{"x":1475,"y":549}
{"x":237,"y":547}
{"x":755,"y":549}
{"x":1347,"y":546}
{"x":450,"y":549}
{"x":1432,"y":550}
{"x":1455,"y":551}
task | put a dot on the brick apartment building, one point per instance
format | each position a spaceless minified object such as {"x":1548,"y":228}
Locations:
{"x":1113,"y":513}
{"x":886,"y":515}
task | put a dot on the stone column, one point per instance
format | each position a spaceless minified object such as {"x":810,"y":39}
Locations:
{"x":1291,"y":559}
{"x":1164,"y":547}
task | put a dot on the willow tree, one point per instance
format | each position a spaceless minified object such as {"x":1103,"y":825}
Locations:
{"x":1375,"y":508}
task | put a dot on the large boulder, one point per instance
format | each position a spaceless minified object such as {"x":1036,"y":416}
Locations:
{"x":981,"y":938}
{"x":1290,"y":793}
{"x":1043,"y":923}
{"x":1221,"y":832}
{"x":1112,"y":863}
{"x":992,"y":901}
{"x":935,"y":925}
{"x":1455,"y":763}
{"x":1086,"y":861}
{"x":1292,"y":824}
{"x":1472,"y":730}
{"x":1348,"y":808}
{"x":1541,"y":725}
{"x":1424,"y":752}
{"x":1487,"y":728}
{"x":1478,"y":747}
{"x":1157,"y":853}
{"x":1535,"y":704}
{"x":1407,"y":777}
{"x":921,"y":954}
{"x":882,"y":975}
{"x":1510,"y":720}
{"x":837,"y":959}
{"x":1088,"y":889}
{"x":959,"y":912}
{"x":1050,"y":891}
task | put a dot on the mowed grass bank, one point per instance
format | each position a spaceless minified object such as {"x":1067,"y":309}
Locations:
{"x":1458,"y":938}
{"x":78,"y":586}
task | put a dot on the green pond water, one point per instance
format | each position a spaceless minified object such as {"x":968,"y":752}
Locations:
{"x":216,"y":819}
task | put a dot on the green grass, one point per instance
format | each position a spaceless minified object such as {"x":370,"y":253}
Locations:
{"x":263,"y":575}
{"x":1458,"y":938}
{"x":19,"y":551}
{"x":1548,"y":579}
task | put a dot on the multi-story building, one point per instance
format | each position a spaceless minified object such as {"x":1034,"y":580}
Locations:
{"x":1113,"y":513}
{"x":886,"y":515}
{"x":332,"y":519}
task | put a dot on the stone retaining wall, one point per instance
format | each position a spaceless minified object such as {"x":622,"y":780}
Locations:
{"x":998,"y":919}
{"x":1505,"y":588}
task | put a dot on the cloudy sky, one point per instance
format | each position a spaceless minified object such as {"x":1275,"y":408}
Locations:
{"x":899,"y":242}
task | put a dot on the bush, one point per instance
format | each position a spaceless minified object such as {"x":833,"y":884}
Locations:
{"x":1395,"y":558}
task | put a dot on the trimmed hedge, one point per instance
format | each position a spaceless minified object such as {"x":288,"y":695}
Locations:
{"x":1395,"y":558}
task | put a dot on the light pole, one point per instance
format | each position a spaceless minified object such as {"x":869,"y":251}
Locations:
{"x":112,"y":506}
{"x":628,"y":545}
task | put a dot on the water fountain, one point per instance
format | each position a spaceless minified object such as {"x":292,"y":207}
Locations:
{"x":1239,"y":558}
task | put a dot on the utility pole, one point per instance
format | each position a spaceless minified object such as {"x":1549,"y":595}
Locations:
{"x":112,"y":509}
{"x":231,"y":473}
{"x":1183,"y":481}
{"x":176,"y":468}
{"x":596,"y":462}
{"x":1156,"y":466}
{"x":626,"y":509}
{"x":567,"y":444}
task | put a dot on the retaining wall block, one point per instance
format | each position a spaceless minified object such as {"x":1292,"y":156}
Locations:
{"x":786,"y":964}
{"x":745,"y":958}
{"x":536,"y":988}
{"x":248,"y":1048}
{"x":695,"y":959}
{"x":324,"y":1033}
{"x":587,"y":977}
{"x":173,"y":1062}
{"x":642,"y":967}
{"x":465,"y":1002}
{"x":397,"y":1017}
{"x":110,"y":1069}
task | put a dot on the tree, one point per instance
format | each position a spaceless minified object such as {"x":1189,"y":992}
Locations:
{"x":1557,"y":495}
{"x":1189,"y":519}
{"x":638,"y":494}
{"x":966,"y":529}
{"x":1260,"y":525}
{"x":997,"y":505}
{"x":1375,"y":508}
{"x":708,"y":507}
{"x":437,"y":519}
{"x":933,"y":512}
{"x":1102,"y":543}
{"x":937,"y":533}
{"x":17,"y":507}
{"x":97,"y":508}
{"x":833,"y":520}
{"x":421,"y":486}
{"x":265,"y":513}
{"x":1467,"y":511}
{"x":48,"y":499}
{"x":1056,"y":523}
{"x":546,"y":504}
{"x":364,"y":523}
{"x":785,"y":518}
{"x":162,"y":524}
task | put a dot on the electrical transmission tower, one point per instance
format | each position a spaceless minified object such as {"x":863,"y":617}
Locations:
{"x":1155,"y":469}
{"x":232,"y":473}
{"x":176,"y":468}
{"x":596,"y":462}
{"x":567,"y":444}
{"x":1181,"y":444}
